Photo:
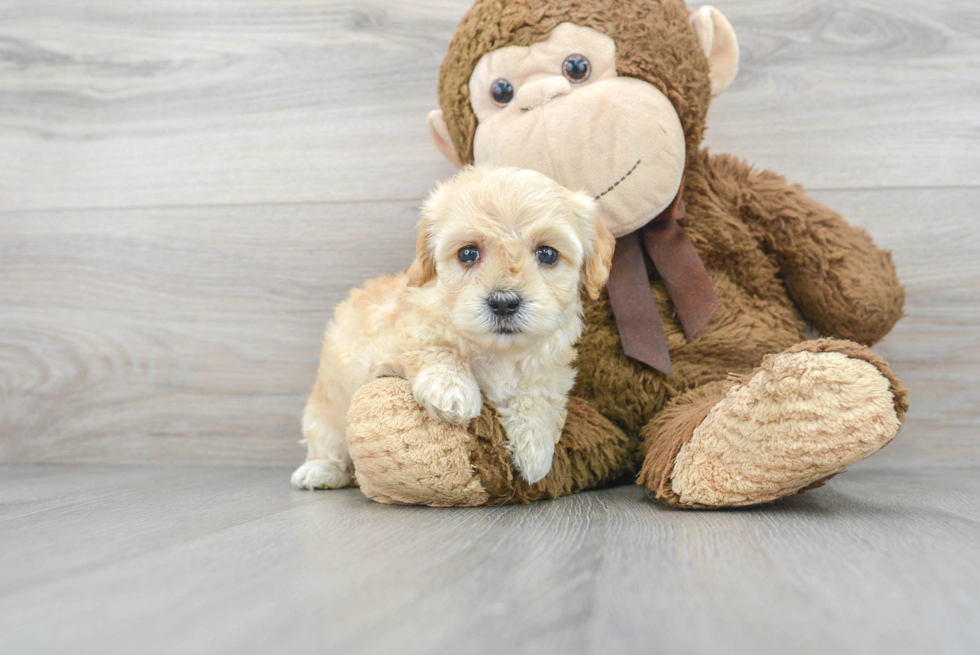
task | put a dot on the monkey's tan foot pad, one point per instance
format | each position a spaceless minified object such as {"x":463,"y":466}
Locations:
{"x":402,"y":456}
{"x":801,"y":417}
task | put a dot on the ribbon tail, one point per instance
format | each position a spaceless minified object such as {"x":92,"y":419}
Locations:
{"x":635,"y":308}
{"x":683,"y":273}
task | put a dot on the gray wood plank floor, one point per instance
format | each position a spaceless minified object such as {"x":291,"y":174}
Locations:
{"x":218,"y":560}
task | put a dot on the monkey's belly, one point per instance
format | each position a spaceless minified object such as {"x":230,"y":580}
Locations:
{"x":628,"y":393}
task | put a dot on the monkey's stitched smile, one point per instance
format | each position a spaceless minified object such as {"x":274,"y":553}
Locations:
{"x":620,"y":180}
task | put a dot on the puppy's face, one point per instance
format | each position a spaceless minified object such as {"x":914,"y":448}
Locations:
{"x":510,"y":252}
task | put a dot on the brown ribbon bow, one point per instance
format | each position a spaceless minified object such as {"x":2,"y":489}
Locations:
{"x":680,"y":267}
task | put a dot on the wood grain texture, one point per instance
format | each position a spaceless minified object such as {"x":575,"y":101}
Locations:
{"x":185,"y":335}
{"x":233,"y":560}
{"x":186,"y":189}
{"x":111,"y":103}
{"x":180,"y":334}
{"x":845,"y":94}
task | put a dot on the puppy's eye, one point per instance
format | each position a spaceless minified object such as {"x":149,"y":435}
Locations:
{"x":468,"y":254}
{"x":576,"y":68}
{"x":547,"y":256}
{"x":502,"y":92}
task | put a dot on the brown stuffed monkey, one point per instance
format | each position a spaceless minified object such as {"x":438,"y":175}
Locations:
{"x":695,"y":371}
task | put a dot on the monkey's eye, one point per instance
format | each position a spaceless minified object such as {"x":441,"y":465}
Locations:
{"x":576,"y":68}
{"x":468,"y":254}
{"x":547,"y":256}
{"x":502,"y":92}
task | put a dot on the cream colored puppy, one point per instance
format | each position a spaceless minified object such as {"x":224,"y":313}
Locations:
{"x":491,"y":304}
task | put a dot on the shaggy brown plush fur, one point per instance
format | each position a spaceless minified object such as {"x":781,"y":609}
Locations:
{"x":581,"y":461}
{"x":778,"y":260}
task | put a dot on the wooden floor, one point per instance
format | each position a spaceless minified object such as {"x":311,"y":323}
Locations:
{"x":187,"y":188}
{"x":217,"y":560}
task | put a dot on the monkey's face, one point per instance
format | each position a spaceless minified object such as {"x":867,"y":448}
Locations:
{"x":559,"y":107}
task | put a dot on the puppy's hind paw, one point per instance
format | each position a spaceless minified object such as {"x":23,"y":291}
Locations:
{"x":321,"y":474}
{"x":448,"y":398}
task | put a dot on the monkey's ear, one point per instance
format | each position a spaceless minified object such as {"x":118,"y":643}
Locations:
{"x":717,"y":39}
{"x":439,"y":134}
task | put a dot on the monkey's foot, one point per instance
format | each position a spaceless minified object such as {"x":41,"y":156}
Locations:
{"x":800,"y":418}
{"x":401,"y":455}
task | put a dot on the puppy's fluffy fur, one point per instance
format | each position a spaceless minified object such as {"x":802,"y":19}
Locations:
{"x":504,"y":325}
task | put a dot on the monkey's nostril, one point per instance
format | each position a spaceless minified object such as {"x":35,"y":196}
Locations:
{"x":503,"y":304}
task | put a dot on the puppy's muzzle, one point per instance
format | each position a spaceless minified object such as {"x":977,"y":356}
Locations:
{"x":504,"y":304}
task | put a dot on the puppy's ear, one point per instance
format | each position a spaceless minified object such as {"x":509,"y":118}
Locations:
{"x":598,"y":266}
{"x":598,"y":258}
{"x":423,"y":268}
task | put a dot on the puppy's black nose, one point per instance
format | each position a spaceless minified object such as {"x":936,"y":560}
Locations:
{"x":504,"y":303}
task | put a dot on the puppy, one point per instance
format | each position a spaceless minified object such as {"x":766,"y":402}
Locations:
{"x":491,"y":304}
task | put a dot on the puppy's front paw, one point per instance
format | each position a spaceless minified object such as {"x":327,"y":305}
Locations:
{"x":447,"y":396}
{"x":534,"y":461}
{"x":321,"y":474}
{"x":532,"y":450}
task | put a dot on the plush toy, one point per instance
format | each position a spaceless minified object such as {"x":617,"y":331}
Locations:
{"x":696,"y":376}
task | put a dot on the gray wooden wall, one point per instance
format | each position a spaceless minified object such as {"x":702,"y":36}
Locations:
{"x":187,"y":188}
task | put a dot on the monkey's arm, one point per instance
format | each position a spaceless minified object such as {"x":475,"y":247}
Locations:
{"x":841,"y":282}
